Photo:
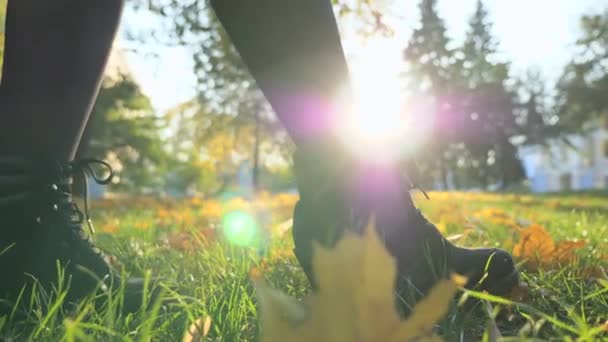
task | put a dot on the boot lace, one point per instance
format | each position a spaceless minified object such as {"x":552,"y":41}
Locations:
{"x":61,"y":199}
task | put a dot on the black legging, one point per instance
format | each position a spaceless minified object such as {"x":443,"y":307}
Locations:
{"x":54,"y":56}
{"x":293,"y":49}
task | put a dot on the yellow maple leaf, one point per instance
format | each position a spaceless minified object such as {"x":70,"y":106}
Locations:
{"x":354,"y":301}
{"x":539,"y":250}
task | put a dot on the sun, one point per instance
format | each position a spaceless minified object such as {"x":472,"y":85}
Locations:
{"x":374,"y":121}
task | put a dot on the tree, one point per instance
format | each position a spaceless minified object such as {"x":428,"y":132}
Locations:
{"x":489,"y":107}
{"x":429,"y":75}
{"x":583,"y":85}
{"x":228,"y":110}
{"x":480,"y":64}
{"x":474,"y":109}
{"x":427,"y":55}
{"x":124,"y":130}
{"x":219,"y":143}
{"x":535,"y":113}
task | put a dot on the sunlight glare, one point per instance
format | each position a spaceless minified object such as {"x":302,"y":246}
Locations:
{"x":375,"y":124}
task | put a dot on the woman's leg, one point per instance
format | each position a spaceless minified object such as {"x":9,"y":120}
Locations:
{"x":54,"y":57}
{"x":293,"y":50}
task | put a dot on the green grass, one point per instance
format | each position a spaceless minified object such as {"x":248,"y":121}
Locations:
{"x":207,"y":277}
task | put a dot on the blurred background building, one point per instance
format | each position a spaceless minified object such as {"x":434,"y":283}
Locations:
{"x":574,"y":162}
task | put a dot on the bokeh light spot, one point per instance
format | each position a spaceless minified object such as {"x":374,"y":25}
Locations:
{"x":240,"y":228}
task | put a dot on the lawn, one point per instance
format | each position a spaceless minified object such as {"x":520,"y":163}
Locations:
{"x":204,"y":252}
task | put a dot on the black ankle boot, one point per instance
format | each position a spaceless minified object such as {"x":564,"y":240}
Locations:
{"x":330,"y":204}
{"x":41,"y":227}
{"x":424,"y":256}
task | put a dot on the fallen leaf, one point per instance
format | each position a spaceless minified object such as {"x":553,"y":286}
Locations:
{"x":354,"y":301}
{"x":565,"y":251}
{"x":535,"y":245}
{"x":198,"y":330}
{"x":538,"y":249}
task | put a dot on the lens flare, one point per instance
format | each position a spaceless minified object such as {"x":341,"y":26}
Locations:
{"x":374,"y":127}
{"x":374,"y":123}
{"x":240,"y":228}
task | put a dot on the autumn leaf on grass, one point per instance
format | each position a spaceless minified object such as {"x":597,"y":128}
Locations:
{"x":535,"y":245}
{"x":565,"y":251}
{"x":354,"y":301}
{"x":539,"y":249}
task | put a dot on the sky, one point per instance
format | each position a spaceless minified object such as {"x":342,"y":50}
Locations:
{"x":532,"y":33}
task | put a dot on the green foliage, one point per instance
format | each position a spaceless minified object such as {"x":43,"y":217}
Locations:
{"x":229,"y":120}
{"x":211,"y":146}
{"x":474,"y":109}
{"x":583,"y":86}
{"x":490,"y":105}
{"x":536,"y":114}
{"x":124,"y":129}
{"x":429,"y":59}
{"x":223,"y":80}
{"x":430,"y":67}
{"x":480,"y":63}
